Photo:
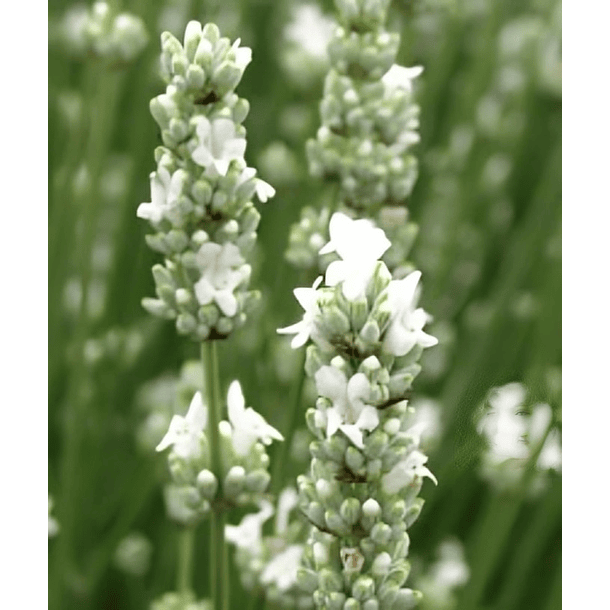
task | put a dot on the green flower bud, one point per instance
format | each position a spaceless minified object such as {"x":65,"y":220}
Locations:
{"x":368,"y":546}
{"x":158,"y":308}
{"x":235,"y":481}
{"x":157,"y":242}
{"x":177,"y":240}
{"x":406,"y":599}
{"x":186,"y":323}
{"x":381,"y":533}
{"x":202,"y":193}
{"x":183,"y":297}
{"x":208,"y":314}
{"x":370,"y":604}
{"x":370,"y":332}
{"x":320,"y":553}
{"x":375,"y":444}
{"x":381,"y":564}
{"x":363,"y":588}
{"x":350,"y":511}
{"x":373,"y":469}
{"x":307,"y":579}
{"x":226,"y":77}
{"x":354,"y":459}
{"x":397,"y":511}
{"x":351,"y":604}
{"x":412,"y":513}
{"x":359,"y":313}
{"x":335,"y":523}
{"x":330,"y":580}
{"x":401,"y":548}
{"x":336,"y":447}
{"x":312,"y":419}
{"x":224,"y":326}
{"x":207,"y":484}
{"x":257,"y":481}
{"x":162,"y":276}
{"x":195,"y":77}
{"x":324,"y":489}
{"x":315,"y":513}
{"x":387,"y":594}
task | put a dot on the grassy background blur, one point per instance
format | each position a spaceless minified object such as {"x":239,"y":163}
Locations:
{"x":488,"y":204}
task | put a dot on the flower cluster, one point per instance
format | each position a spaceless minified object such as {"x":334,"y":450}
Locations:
{"x":201,"y":193}
{"x":369,"y":119}
{"x":244,"y":460}
{"x":367,"y":469}
{"x":100,"y":32}
{"x":513,"y":434}
{"x":271,"y":562}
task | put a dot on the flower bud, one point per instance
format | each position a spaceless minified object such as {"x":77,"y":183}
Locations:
{"x":234,"y":482}
{"x":354,"y":459}
{"x":320,"y":554}
{"x":381,"y":564}
{"x":351,"y":604}
{"x":336,"y":599}
{"x":330,"y":580}
{"x":381,"y":533}
{"x":406,"y":599}
{"x":363,"y":588}
{"x":371,"y":508}
{"x":207,"y":484}
{"x":350,"y":511}
{"x":413,"y":511}
{"x":370,"y":604}
{"x":257,"y":481}
{"x":315,"y":513}
{"x":335,"y":523}
{"x":307,"y":579}
{"x":186,"y":323}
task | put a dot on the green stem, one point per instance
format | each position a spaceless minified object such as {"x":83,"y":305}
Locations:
{"x":186,"y":543}
{"x":281,"y":454}
{"x":219,"y":559}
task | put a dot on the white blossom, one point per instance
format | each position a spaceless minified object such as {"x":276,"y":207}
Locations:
{"x":399,"y":77}
{"x":308,"y":299}
{"x":243,"y":55}
{"x":349,"y":412}
{"x":223,"y":270}
{"x":503,"y":427}
{"x":287,"y":500}
{"x":218,"y":144}
{"x":311,"y":30}
{"x":360,"y":245}
{"x":184,"y":433}
{"x":406,"y":323}
{"x":264,"y":190}
{"x":164,"y":191}
{"x":282,"y":569}
{"x":248,"y":534}
{"x":405,"y":471}
{"x":247,"y":425}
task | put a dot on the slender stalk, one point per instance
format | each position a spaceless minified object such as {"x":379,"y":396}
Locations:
{"x":219,"y":558}
{"x":186,"y":542}
{"x":295,"y":418}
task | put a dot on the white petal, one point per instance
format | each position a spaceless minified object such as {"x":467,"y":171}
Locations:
{"x":335,"y":273}
{"x":398,"y":340}
{"x":236,"y":403}
{"x":331,"y":383}
{"x":204,"y":291}
{"x":369,"y":418}
{"x":354,"y":434}
{"x":333,"y":421}
{"x":172,"y":435}
{"x":226,"y":301}
{"x":197,"y":415}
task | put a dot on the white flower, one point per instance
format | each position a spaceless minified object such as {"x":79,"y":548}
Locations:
{"x":311,"y":30}
{"x":164,"y":191}
{"x":399,"y":77}
{"x":406,"y":323}
{"x":184,"y":433}
{"x":405,"y":471}
{"x":248,"y":425}
{"x":450,"y":570}
{"x":503,"y":427}
{"x":243,"y":55}
{"x":360,"y":245}
{"x":248,"y":534}
{"x":287,"y":500}
{"x":308,"y":299}
{"x":218,"y":144}
{"x":349,"y":412}
{"x":282,"y":569}
{"x":264,"y":190}
{"x":223,"y":270}
{"x":53,"y":524}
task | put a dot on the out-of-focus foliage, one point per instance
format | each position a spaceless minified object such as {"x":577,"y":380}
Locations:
{"x":488,"y":205}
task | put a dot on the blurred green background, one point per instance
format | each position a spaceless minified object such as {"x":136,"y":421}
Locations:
{"x":488,"y":206}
